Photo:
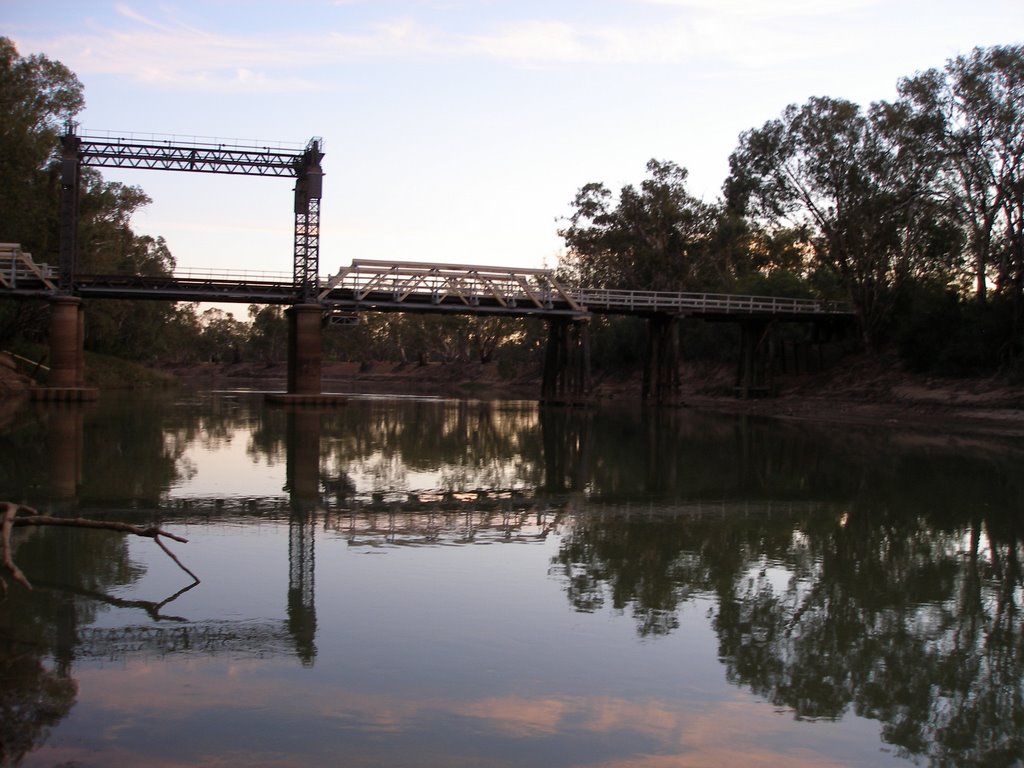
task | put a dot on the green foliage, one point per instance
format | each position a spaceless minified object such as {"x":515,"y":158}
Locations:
{"x":37,"y":96}
{"x":617,"y":343}
{"x":268,"y":335}
{"x":859,"y":183}
{"x":109,"y":372}
{"x":222,"y":338}
{"x":655,"y":238}
{"x":974,"y":112}
{"x":941,"y":333}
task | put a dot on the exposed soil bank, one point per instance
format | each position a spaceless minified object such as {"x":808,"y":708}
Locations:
{"x":856,"y":390}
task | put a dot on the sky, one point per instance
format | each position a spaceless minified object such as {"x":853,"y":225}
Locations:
{"x":459,"y":131}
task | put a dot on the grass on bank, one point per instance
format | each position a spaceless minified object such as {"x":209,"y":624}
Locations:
{"x":101,"y":371}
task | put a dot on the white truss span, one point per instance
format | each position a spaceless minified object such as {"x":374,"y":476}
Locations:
{"x":18,"y":271}
{"x":405,"y":282}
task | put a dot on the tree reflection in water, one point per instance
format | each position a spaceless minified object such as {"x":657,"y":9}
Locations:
{"x":863,"y":571}
{"x":901,"y":618}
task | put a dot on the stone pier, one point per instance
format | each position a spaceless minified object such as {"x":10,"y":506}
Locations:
{"x":305,"y":331}
{"x":67,"y":358}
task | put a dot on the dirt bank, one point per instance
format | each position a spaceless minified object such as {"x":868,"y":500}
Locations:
{"x":858,"y":390}
{"x":863,"y":390}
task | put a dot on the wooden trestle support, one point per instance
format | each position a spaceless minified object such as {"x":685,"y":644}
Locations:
{"x":566,"y":379}
{"x":661,"y":364}
{"x":754,"y":366}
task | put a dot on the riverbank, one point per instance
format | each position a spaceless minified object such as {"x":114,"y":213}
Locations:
{"x":866,"y":391}
{"x":857,"y":390}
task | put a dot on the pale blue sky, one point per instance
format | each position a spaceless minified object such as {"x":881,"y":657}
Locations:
{"x":460,"y":130}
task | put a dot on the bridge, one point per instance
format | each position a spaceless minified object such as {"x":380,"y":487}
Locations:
{"x":367,"y":285}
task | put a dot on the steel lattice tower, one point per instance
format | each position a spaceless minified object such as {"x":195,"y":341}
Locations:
{"x":198,"y":157}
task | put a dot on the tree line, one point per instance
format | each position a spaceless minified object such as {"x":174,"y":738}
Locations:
{"x":912,"y":209}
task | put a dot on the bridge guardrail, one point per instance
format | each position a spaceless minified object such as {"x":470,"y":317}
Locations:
{"x":19,"y":270}
{"x":711,"y":303}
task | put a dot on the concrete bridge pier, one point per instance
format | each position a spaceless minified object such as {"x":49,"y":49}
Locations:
{"x":304,"y":349}
{"x":661,"y":366}
{"x":67,"y":358}
{"x":305,"y":354}
{"x":566,"y":379}
{"x":754,"y":367}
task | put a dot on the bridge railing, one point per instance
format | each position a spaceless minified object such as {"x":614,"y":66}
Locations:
{"x":19,"y":270}
{"x":703,"y":303}
{"x":232,"y":275}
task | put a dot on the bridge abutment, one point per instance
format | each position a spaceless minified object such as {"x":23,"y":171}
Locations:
{"x":566,"y":379}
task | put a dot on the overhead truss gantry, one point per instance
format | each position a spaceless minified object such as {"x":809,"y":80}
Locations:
{"x":199,"y":157}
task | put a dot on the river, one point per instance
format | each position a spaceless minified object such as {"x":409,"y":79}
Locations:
{"x":429,"y":582}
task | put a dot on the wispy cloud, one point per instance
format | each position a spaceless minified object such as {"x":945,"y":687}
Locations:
{"x":170,"y":52}
{"x":767,"y":8}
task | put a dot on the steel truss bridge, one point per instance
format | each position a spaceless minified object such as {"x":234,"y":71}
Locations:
{"x":391,"y":286}
{"x":365,"y":285}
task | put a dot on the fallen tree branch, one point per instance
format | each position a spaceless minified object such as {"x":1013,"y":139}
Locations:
{"x":15,"y":515}
{"x":10,"y":511}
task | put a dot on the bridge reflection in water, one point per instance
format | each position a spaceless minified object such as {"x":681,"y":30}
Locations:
{"x":817,"y":559}
{"x":317,"y":502}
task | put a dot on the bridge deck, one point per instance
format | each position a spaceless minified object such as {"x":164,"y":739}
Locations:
{"x":386,"y":286}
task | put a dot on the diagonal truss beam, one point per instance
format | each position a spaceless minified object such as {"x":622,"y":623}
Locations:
{"x":398,"y":282}
{"x":196,"y":157}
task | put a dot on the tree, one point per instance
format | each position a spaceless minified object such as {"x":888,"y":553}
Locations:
{"x":109,"y":245}
{"x":859,"y":184}
{"x":223,"y":337}
{"x":37,"y":96}
{"x":269,"y":333}
{"x":656,"y":237}
{"x":975,"y":107}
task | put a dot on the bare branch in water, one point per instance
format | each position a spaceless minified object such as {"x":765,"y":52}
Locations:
{"x":15,"y":515}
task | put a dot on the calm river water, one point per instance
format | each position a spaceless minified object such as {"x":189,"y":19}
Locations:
{"x":414,"y":582}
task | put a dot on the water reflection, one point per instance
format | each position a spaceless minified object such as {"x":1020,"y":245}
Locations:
{"x":868,"y":572}
{"x":902,"y":616}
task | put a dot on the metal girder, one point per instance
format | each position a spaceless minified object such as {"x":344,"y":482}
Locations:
{"x":184,"y":289}
{"x":195,"y":157}
{"x":199,"y":157}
